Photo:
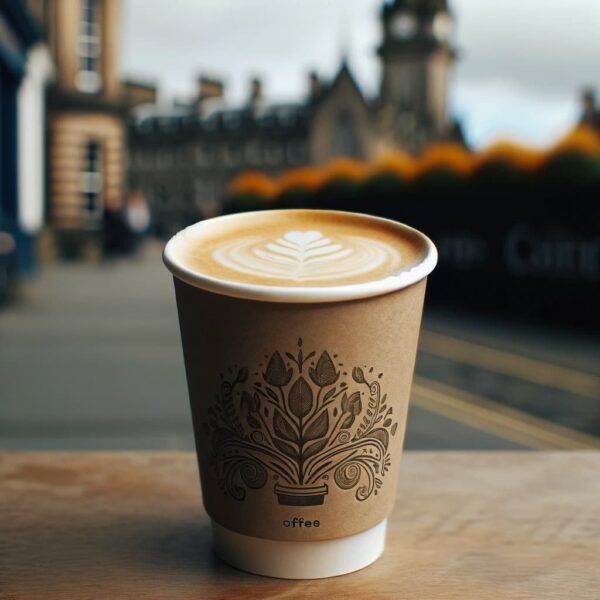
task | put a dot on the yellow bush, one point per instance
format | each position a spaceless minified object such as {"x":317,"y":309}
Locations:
{"x":583,"y":140}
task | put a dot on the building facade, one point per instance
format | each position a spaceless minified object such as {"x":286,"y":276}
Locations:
{"x":24,"y":70}
{"x":183,"y":160}
{"x":87,"y":109}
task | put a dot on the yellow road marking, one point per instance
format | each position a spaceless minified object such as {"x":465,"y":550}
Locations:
{"x":506,"y":363}
{"x":502,"y":421}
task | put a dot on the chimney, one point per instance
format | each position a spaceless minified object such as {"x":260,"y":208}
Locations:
{"x":588,"y":99}
{"x":209,"y":88}
{"x":256,"y":93}
{"x":139,"y":92}
{"x":314,"y":85}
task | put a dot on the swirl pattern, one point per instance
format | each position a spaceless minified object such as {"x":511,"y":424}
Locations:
{"x":349,"y":473}
{"x":306,"y":256}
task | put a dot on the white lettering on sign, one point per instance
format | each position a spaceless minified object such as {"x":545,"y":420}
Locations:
{"x":558,"y":255}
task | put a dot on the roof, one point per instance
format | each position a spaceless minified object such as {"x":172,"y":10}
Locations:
{"x":220,"y":119}
{"x":344,"y":73}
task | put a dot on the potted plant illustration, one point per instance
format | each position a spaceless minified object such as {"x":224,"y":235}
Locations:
{"x":300,"y":424}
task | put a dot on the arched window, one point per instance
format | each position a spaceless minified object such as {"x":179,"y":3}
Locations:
{"x":344,"y":141}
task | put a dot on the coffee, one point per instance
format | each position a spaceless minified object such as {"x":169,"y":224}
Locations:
{"x":299,"y":248}
{"x":299,"y":332}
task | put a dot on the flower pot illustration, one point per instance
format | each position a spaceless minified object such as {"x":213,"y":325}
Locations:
{"x":300,"y":495}
{"x":300,"y":423}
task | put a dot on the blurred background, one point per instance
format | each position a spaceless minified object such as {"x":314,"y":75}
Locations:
{"x":122,"y":121}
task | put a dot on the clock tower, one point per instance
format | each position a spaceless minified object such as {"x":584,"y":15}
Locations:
{"x":416,"y":55}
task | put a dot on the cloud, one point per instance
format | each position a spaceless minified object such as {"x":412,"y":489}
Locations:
{"x":546,"y":46}
{"x":495,"y":110}
{"x":237,"y":39}
{"x":522,"y":62}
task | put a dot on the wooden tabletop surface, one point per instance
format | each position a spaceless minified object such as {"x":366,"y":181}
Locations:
{"x":466,"y":525}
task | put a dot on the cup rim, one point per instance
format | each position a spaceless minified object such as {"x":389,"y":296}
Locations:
{"x":302,"y":294}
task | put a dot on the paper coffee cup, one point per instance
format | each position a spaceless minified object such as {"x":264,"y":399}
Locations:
{"x":299,"y":399}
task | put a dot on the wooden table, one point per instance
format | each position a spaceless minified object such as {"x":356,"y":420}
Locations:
{"x":466,"y":525}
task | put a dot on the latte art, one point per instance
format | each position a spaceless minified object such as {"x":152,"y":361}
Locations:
{"x":305,"y":256}
{"x":297,"y":255}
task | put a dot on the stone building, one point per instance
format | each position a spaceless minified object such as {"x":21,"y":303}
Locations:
{"x":87,"y":110}
{"x":183,"y":160}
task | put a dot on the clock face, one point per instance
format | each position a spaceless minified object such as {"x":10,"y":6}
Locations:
{"x":442,"y":27}
{"x":404,"y":26}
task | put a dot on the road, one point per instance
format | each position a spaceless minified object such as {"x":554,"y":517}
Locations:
{"x":90,"y":359}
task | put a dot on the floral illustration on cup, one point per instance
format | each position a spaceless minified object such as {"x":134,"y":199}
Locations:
{"x":300,"y":424}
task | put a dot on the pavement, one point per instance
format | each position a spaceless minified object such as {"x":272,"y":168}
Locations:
{"x":90,"y":359}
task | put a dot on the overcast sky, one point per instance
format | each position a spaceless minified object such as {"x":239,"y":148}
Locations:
{"x":521,"y":69}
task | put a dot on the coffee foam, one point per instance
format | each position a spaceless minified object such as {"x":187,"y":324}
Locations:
{"x":299,"y":248}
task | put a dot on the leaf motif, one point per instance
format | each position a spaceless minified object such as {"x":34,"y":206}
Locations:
{"x":324,"y":374}
{"x":283,"y":429}
{"x":354,"y":404}
{"x":318,"y":428}
{"x":387,"y":422}
{"x":246,"y":400}
{"x":381,"y":435}
{"x":345,"y":403}
{"x":286,"y":448}
{"x":276,"y":374}
{"x":348,"y":421}
{"x":272,"y":395}
{"x":328,"y":394}
{"x":394,"y":427}
{"x":253,"y":422}
{"x":314,"y":448}
{"x":242,"y":375}
{"x":358,"y":375}
{"x":300,"y":398}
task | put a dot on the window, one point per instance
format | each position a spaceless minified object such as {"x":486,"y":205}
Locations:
{"x":273,"y":153}
{"x":253,"y":154}
{"x":203,"y":155}
{"x":164,"y":158}
{"x":232,"y":155}
{"x":92,"y":181}
{"x":344,"y":141}
{"x":88,"y":79}
{"x":204,"y":191}
{"x":404,"y":26}
{"x":296,"y":152}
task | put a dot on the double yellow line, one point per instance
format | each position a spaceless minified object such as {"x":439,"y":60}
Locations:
{"x":495,"y":418}
{"x":499,"y":420}
{"x":506,"y":363}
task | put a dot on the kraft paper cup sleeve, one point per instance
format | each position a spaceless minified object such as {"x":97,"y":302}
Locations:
{"x":299,"y":410}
